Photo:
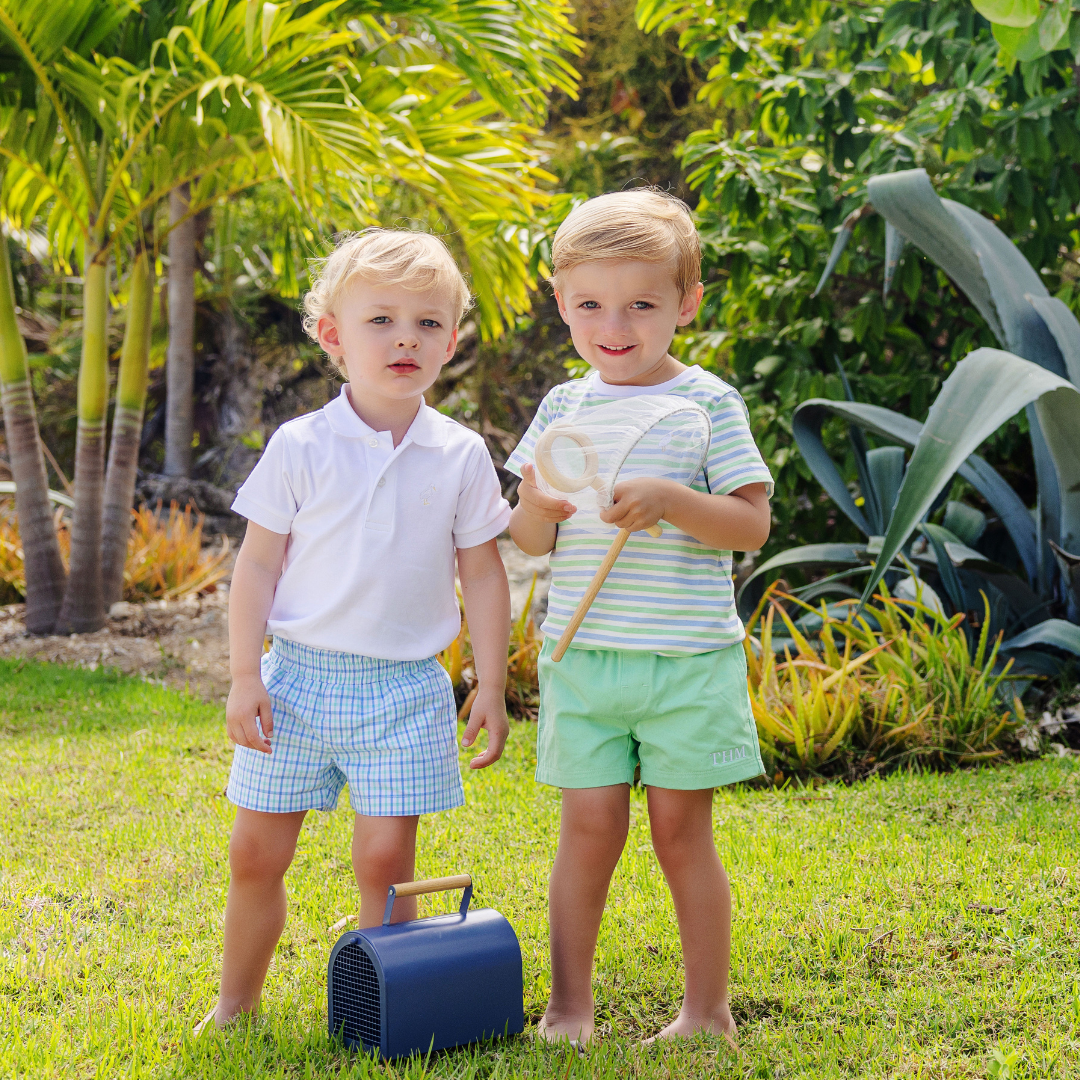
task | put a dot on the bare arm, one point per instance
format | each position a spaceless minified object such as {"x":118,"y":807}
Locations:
{"x":487,"y":609}
{"x":736,"y":522}
{"x":255,"y":576}
{"x":534,"y":519}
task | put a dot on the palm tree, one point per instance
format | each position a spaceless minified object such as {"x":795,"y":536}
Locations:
{"x":223,"y":102}
{"x":32,"y":38}
{"x":420,"y":109}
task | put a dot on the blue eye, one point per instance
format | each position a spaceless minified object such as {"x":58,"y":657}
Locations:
{"x":429,"y":322}
{"x":641,"y":305}
{"x":381,"y":320}
{"x":590,"y":305}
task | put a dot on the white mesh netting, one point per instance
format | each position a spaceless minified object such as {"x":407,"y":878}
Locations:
{"x":581,"y":457}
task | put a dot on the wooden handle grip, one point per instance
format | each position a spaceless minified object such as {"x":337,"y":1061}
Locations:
{"x":435,"y":884}
{"x":590,"y":595}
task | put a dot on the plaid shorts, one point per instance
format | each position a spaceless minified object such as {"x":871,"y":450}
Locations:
{"x":388,"y":728}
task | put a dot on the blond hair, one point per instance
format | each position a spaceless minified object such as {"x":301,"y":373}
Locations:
{"x":644,"y":224}
{"x":416,"y":261}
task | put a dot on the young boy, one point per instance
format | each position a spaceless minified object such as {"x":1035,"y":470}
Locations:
{"x":355,"y":513}
{"x":655,"y":677}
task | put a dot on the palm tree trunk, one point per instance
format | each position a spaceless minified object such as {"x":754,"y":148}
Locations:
{"x":180,"y":362}
{"x":41,"y":551}
{"x":83,"y":610}
{"x":127,"y":427}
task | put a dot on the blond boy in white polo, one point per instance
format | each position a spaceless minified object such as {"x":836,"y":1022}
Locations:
{"x":656,"y":677}
{"x":356,"y":515}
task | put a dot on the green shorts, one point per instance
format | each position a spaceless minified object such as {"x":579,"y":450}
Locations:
{"x":685,"y":719}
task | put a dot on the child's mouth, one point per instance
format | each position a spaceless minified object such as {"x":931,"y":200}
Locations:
{"x":405,"y":367}
{"x":615,"y":350}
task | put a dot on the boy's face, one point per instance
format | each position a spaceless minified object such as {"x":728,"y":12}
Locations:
{"x":623,"y":314}
{"x":391,"y":340}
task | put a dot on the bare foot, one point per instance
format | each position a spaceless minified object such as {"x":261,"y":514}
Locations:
{"x":211,"y":1020}
{"x":578,"y":1031}
{"x":684,"y":1026}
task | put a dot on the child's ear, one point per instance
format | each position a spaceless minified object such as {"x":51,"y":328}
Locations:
{"x":562,"y":310}
{"x":688,"y":308}
{"x":329,"y":338}
{"x":451,"y":348}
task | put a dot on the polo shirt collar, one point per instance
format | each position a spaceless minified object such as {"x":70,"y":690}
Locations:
{"x":427,"y":429}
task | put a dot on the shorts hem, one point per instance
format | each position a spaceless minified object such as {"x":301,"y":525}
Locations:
{"x":244,"y":802}
{"x":553,"y":779}
{"x":433,"y":807}
{"x":698,"y":781}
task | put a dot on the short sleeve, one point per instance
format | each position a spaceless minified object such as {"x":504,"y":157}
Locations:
{"x":267,"y":495}
{"x":482,"y":512}
{"x":734,"y":459}
{"x":523,"y":452}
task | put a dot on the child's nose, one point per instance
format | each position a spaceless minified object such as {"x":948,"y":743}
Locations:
{"x":408,"y":340}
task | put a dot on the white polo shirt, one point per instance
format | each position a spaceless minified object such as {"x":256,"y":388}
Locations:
{"x":372,"y":528}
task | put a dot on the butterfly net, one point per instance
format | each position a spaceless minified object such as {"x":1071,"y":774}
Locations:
{"x":581,"y":457}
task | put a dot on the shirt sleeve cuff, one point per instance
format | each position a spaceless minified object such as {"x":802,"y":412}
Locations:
{"x":754,"y":478}
{"x":246,"y":507}
{"x":481,"y":536}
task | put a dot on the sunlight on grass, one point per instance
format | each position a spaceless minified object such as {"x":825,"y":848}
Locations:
{"x":866,"y":941}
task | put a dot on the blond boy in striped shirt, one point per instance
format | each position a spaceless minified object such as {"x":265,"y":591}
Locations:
{"x":655,"y":678}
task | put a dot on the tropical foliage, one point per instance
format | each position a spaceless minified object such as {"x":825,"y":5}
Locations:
{"x":164,"y":560}
{"x":1039,"y":580}
{"x":814,"y":99}
{"x":859,"y":689}
{"x":358,"y":111}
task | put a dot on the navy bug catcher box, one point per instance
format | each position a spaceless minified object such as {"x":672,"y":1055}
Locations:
{"x":410,"y":987}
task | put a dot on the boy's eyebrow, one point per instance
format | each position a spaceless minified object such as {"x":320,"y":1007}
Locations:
{"x":645,"y":295}
{"x":393,"y":307}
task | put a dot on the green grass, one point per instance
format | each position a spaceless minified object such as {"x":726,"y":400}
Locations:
{"x":113,"y":875}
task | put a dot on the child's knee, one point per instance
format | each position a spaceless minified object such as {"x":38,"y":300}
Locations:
{"x":258,"y":858}
{"x":600,"y":833}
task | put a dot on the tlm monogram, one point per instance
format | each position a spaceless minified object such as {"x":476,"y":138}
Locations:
{"x":726,"y":757}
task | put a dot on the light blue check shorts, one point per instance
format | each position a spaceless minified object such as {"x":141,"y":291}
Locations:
{"x":387,"y":728}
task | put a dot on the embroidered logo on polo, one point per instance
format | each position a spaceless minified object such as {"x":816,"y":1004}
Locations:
{"x":729,"y":757}
{"x":427,"y":495}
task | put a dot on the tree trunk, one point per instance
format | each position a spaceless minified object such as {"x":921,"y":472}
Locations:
{"x":83,"y":610}
{"x":180,"y":363}
{"x":127,"y":428}
{"x":41,"y":551}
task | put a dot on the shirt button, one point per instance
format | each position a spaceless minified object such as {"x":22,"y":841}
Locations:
{"x":373,"y":442}
{"x":382,"y":481}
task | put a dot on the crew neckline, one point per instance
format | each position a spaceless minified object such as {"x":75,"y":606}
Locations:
{"x":617,"y":390}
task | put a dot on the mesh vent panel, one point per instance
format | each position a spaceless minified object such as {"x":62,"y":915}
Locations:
{"x":356,"y":996}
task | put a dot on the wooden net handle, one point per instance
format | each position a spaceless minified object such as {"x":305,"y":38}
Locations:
{"x":590,"y":594}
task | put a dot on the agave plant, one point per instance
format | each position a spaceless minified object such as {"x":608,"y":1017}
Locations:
{"x":1040,"y":374}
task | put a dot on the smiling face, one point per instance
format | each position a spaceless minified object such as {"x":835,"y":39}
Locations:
{"x":392,"y":341}
{"x":622,"y":316}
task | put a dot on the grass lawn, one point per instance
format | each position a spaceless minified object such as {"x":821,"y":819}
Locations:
{"x":866,"y":940}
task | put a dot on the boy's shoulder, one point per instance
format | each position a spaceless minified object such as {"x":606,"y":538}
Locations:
{"x":703,"y":386}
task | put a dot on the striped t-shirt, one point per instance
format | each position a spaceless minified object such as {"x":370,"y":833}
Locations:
{"x":672,"y":595}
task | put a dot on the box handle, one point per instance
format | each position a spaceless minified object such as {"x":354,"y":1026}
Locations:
{"x":429,"y":885}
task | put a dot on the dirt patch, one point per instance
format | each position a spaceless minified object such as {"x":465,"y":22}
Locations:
{"x":182,"y":643}
{"x":185,"y":643}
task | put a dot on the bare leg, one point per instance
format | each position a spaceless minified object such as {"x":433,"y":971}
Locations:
{"x":591,"y":838}
{"x":384,"y":854}
{"x":682,"y":834}
{"x":260,"y":850}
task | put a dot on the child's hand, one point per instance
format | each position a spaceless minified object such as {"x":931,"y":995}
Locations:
{"x":488,"y":711}
{"x":535,"y":503}
{"x":639,"y":503}
{"x":248,"y":707}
